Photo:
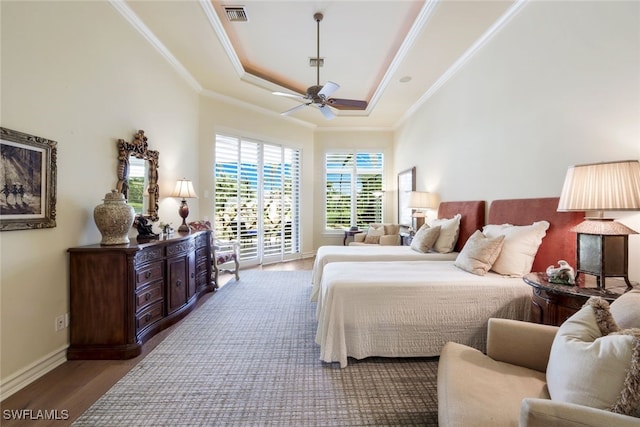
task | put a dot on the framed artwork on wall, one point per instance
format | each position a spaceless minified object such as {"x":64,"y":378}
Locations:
{"x":27,"y":181}
{"x":406,"y":184}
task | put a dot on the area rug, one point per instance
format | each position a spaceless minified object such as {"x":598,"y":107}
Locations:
{"x":247,"y":357}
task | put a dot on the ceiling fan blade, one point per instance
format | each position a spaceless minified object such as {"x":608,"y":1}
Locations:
{"x":328,"y":89}
{"x":326,"y":112}
{"x":347,"y":104}
{"x":290,"y":95}
{"x":296,"y":108}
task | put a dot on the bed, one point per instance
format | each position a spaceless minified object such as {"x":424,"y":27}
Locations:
{"x":472,"y":219}
{"x":412,"y":308}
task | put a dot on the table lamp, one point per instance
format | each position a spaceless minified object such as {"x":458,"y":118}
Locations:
{"x":602,"y":244}
{"x":420,"y":201}
{"x":184,"y":189}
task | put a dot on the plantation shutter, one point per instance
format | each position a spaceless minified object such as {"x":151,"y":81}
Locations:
{"x":353,"y":189}
{"x":257,"y":197}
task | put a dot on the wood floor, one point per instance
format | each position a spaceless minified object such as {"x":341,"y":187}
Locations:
{"x":75,"y":385}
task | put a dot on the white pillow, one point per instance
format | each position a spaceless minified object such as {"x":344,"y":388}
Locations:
{"x":479,"y":253}
{"x":373,"y":234}
{"x":593,"y":363}
{"x":449,"y":229}
{"x":521,"y":243}
{"x":425,"y":238}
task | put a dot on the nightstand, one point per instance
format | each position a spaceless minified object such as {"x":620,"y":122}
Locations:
{"x":552,"y":304}
{"x":349,"y":233}
{"x":406,"y":238}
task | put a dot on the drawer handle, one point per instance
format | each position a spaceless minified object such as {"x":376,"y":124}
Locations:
{"x":147,"y":274}
{"x":178,"y":283}
{"x":147,"y":317}
{"x":147,"y":296}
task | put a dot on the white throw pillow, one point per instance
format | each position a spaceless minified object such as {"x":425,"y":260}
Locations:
{"x":425,"y":238}
{"x":479,"y":253}
{"x":449,"y":229}
{"x":373,"y":234}
{"x":593,"y":363}
{"x":521,"y":243}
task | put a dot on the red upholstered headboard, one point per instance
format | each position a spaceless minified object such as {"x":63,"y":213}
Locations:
{"x":472,"y":212}
{"x":559,"y":243}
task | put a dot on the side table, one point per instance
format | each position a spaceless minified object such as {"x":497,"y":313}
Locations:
{"x":349,"y":233}
{"x":552,"y":304}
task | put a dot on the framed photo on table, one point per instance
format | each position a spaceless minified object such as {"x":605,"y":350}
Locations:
{"x":27,"y":181}
{"x":406,"y":184}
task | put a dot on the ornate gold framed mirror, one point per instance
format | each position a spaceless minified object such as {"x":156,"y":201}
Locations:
{"x":138,"y":175}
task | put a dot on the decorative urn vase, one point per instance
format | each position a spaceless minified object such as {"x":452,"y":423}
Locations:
{"x":114,"y":219}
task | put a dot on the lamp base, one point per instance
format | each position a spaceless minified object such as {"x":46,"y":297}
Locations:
{"x":183,"y":211}
{"x":603,"y":256}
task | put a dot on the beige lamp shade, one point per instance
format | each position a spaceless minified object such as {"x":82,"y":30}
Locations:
{"x":421,"y":200}
{"x":610,"y":186}
{"x":184,"y":190}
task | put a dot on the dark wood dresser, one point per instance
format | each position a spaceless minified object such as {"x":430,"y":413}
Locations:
{"x":120,"y":296}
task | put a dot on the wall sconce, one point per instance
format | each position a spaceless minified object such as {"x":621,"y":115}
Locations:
{"x":421,"y":201}
{"x":602,"y":244}
{"x":184,"y":189}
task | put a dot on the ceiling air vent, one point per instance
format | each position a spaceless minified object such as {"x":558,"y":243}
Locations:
{"x":313,"y":62}
{"x":236,"y":13}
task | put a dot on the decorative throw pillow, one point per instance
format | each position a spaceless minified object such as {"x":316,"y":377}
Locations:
{"x":479,"y":253}
{"x":594,"y":363}
{"x":626,"y":310}
{"x":449,"y":229}
{"x":425,"y":238}
{"x":373,"y":234}
{"x":521,"y":243}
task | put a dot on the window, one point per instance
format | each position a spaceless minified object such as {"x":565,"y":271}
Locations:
{"x":257,"y":197}
{"x":353,"y":189}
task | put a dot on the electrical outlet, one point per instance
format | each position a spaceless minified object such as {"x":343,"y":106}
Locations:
{"x":59,"y":322}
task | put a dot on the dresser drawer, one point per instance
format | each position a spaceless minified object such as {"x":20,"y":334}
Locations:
{"x":149,"y":294}
{"x":201,"y":241}
{"x":149,"y":273}
{"x":149,"y":315}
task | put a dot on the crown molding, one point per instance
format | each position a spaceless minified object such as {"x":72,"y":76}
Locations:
{"x":136,"y":23}
{"x":466,"y":56}
{"x":421,"y":20}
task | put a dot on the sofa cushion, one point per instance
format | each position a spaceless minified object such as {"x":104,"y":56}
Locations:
{"x":594,"y":363}
{"x":521,"y":243}
{"x":479,"y":253}
{"x":373,"y":234}
{"x":475,"y":390}
{"x":425,"y":238}
{"x":449,"y":231}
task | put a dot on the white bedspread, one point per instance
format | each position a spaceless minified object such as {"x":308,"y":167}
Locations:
{"x":410,"y":309}
{"x":370,"y":253}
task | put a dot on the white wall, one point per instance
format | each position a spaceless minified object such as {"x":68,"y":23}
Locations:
{"x":326,"y":141}
{"x":559,"y":85}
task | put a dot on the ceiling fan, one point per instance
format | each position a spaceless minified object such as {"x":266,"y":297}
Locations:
{"x":319,"y":96}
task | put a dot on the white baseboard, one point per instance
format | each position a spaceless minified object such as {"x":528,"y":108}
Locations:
{"x":32,"y":372}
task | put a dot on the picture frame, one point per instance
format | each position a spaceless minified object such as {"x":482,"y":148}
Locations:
{"x":28,"y":176}
{"x":406,"y":184}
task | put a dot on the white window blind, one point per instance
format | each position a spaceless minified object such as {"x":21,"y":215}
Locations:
{"x":257,"y":197}
{"x":353,"y":189}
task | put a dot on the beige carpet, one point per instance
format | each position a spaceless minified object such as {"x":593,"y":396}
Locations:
{"x":247,"y":357}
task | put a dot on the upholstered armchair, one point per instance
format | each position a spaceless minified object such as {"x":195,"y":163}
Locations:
{"x":378,"y":234}
{"x":225,"y":254}
{"x":538,"y":375}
